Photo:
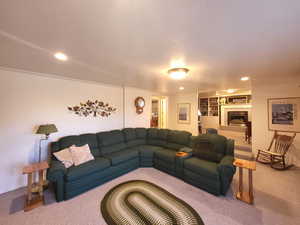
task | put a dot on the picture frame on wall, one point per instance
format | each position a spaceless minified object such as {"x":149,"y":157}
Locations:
{"x":184,"y":113}
{"x":283,"y":114}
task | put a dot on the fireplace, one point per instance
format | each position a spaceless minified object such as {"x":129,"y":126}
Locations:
{"x":237,"y":118}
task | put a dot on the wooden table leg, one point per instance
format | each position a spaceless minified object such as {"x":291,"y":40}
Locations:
{"x":241,"y":182}
{"x":250,"y":187}
{"x":41,"y":182}
{"x":29,"y":186}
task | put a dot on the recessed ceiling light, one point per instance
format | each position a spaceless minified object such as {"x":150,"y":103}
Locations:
{"x":181,"y":88}
{"x":231,"y":91}
{"x":245,"y":78}
{"x":61,"y":56}
{"x":178,"y":73}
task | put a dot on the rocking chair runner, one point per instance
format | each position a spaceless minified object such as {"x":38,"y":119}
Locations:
{"x":275,"y":156}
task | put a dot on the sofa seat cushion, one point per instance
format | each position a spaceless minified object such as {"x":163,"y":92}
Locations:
{"x":136,"y":142}
{"x":157,"y":142}
{"x":202,"y":167}
{"x":122,"y":156}
{"x":174,"y":146}
{"x":166,"y":155}
{"x":76,"y":172}
{"x":147,"y":151}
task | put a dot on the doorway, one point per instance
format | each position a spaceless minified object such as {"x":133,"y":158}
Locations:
{"x":158,"y":112}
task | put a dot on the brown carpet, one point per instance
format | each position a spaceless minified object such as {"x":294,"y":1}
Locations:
{"x":277,"y":201}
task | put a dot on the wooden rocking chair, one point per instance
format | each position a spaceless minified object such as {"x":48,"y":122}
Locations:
{"x":275,"y":156}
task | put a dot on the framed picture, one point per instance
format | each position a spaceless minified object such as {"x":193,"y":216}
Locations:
{"x":283,"y":114}
{"x":184,"y":113}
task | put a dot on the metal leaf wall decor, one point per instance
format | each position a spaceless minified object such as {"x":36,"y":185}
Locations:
{"x":96,"y":108}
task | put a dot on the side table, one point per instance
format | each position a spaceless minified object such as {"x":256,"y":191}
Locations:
{"x":251,"y":166}
{"x":35,"y":201}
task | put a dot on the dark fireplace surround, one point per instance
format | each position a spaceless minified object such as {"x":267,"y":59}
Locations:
{"x":237,"y":118}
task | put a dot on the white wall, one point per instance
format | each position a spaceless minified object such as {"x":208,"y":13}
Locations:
{"x":132,"y":119}
{"x":191,"y":98}
{"x":261,"y":135}
{"x":29,"y":100}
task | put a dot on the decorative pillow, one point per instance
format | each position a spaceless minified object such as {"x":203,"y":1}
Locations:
{"x":81,"y":154}
{"x":65,"y":157}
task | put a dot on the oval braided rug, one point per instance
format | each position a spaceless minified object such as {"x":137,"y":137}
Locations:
{"x":141,"y":202}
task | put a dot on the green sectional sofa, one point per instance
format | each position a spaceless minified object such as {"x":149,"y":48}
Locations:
{"x":120,"y":151}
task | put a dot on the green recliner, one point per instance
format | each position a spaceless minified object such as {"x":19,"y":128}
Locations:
{"x":210,"y":164}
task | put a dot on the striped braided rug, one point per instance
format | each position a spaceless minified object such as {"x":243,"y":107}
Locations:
{"x":141,"y":202}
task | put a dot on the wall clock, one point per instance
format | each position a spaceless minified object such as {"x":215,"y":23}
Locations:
{"x":139,"y":104}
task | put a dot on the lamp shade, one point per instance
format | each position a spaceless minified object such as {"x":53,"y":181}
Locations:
{"x":46,"y":129}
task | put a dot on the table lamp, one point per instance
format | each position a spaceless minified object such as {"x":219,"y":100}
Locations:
{"x":46,"y":129}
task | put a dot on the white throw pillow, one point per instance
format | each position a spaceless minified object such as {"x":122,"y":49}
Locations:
{"x":81,"y":154}
{"x":65,"y":157}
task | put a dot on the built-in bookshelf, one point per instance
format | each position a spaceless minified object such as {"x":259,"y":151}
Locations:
{"x":210,"y":106}
{"x":213,"y":106}
{"x":203,"y":106}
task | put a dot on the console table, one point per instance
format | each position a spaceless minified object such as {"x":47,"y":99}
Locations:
{"x":250,"y":166}
{"x":35,"y":201}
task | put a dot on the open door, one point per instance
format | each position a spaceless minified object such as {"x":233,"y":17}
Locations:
{"x":158,"y":112}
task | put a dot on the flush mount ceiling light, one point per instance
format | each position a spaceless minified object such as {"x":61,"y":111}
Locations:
{"x":61,"y":56}
{"x":178,"y":73}
{"x":244,"y":78}
{"x":231,"y":91}
{"x":181,"y":88}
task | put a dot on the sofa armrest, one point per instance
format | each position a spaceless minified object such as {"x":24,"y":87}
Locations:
{"x":226,"y":165}
{"x":226,"y":170}
{"x":230,"y":147}
{"x":56,"y":171}
{"x":56,"y":174}
{"x":179,"y":160}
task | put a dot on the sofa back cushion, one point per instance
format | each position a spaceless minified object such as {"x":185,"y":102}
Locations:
{"x":91,"y":140}
{"x":178,"y":139}
{"x":132,"y":138}
{"x":211,"y":147}
{"x":141,"y":133}
{"x":129,"y":134}
{"x":111,"y":141}
{"x":78,"y":140}
{"x":66,"y":142}
{"x":157,"y":137}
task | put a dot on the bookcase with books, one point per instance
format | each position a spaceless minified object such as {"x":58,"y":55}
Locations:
{"x":209,"y":106}
{"x":203,"y":106}
{"x":213,"y":109}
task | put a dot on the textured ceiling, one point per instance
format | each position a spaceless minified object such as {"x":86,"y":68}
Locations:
{"x":132,"y":42}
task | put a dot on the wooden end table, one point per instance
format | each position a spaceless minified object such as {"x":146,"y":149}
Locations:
{"x":251,"y":166}
{"x":38,"y":200}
